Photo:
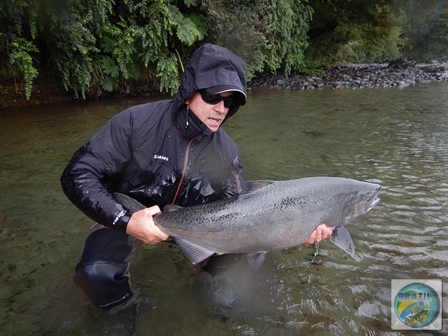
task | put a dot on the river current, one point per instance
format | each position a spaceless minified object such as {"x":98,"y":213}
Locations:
{"x":397,"y":138}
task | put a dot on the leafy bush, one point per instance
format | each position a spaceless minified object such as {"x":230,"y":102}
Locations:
{"x":100,"y":46}
{"x":96,"y":45}
{"x":22,"y":61}
{"x":270,"y":35}
{"x":425,"y":28}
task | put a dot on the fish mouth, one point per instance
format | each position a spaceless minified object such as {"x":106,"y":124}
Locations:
{"x":374,"y":202}
{"x":375,"y":199}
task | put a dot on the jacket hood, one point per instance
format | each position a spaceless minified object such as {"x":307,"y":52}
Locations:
{"x":213,"y":67}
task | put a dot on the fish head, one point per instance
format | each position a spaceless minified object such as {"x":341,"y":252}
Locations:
{"x":361,"y":201}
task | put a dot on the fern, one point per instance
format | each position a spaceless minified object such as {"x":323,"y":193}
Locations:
{"x":21,"y":59}
{"x":167,"y":71}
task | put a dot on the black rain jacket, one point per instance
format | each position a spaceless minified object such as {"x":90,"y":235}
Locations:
{"x":160,"y":153}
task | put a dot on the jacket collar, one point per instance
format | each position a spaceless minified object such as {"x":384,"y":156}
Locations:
{"x":190,"y":125}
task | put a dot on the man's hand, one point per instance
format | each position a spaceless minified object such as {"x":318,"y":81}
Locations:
{"x":322,"y":232}
{"x":142,"y":226}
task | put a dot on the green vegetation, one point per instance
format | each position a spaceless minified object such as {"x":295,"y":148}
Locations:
{"x":97,"y":46}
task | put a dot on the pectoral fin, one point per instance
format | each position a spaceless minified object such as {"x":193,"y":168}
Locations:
{"x":342,"y":239}
{"x":255,"y":260}
{"x":195,"y":252}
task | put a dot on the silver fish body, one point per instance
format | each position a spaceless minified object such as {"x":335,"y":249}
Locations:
{"x":269,"y":215}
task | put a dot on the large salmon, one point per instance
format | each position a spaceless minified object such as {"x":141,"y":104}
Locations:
{"x":268,"y":215}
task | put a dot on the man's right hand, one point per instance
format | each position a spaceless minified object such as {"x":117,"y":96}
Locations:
{"x":142,"y":226}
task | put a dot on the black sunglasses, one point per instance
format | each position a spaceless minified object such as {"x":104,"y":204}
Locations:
{"x":213,"y":98}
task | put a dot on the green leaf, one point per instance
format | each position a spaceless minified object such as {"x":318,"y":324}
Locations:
{"x":188,"y":33}
{"x":133,"y":70}
{"x":109,"y":84}
{"x":191,"y":3}
{"x":110,"y":67}
{"x":175,"y":15}
{"x":108,"y":44}
{"x":200,"y":24}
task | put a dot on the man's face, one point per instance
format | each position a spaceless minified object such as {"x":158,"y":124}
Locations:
{"x":212,"y":115}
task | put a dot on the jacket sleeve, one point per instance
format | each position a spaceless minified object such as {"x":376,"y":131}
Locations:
{"x":94,"y":166}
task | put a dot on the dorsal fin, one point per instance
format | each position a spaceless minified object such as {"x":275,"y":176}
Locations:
{"x":256,"y":185}
{"x":171,"y":208}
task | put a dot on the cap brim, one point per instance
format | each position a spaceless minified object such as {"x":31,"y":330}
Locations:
{"x":226,"y":88}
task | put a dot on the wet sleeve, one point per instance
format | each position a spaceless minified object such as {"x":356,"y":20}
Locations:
{"x":94,"y":166}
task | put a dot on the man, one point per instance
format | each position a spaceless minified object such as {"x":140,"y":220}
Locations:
{"x":165,"y":152}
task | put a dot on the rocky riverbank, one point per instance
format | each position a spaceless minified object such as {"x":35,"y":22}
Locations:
{"x":360,"y":76}
{"x":394,"y":74}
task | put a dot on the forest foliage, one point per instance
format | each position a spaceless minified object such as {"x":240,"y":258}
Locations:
{"x":97,"y":46}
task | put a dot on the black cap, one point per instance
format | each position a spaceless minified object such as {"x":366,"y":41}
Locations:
{"x":228,"y":88}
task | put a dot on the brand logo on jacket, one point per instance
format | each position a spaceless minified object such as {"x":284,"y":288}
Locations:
{"x":121,"y":214}
{"x":160,"y":157}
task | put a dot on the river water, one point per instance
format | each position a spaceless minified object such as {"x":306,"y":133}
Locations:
{"x":395,"y":137}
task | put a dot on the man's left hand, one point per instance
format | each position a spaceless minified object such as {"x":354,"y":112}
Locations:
{"x":322,"y":232}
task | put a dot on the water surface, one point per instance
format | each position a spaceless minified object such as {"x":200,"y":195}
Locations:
{"x":395,"y":137}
